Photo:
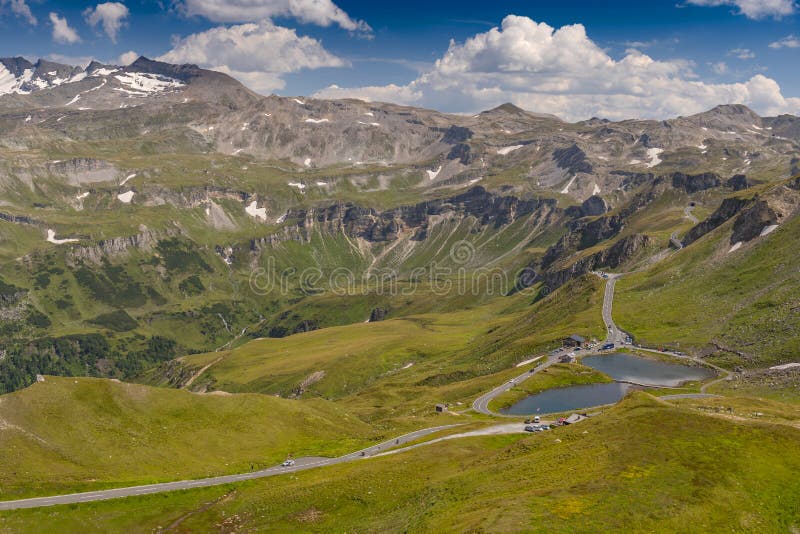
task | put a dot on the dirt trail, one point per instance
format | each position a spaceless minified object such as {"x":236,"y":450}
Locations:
{"x":200,"y":372}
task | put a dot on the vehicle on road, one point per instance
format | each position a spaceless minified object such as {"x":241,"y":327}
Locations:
{"x":530,"y":428}
{"x":287,"y":463}
{"x":607,"y":346}
{"x":536,"y":419}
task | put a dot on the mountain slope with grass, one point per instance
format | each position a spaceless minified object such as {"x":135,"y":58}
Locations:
{"x":653,"y":468}
{"x":63,"y":435}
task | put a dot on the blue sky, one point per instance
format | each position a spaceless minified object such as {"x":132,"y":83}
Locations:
{"x":654,"y":58}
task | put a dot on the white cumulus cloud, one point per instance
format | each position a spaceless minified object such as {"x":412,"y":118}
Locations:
{"x":742,"y":53}
{"x":255,"y":53}
{"x":21,"y":9}
{"x":111,"y":15}
{"x":562,"y":71}
{"x":319,"y":12}
{"x":126,"y":58}
{"x":754,"y":9}
{"x":790,"y":41}
{"x":62,"y":31}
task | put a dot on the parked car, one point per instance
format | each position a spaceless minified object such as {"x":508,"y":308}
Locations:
{"x":536,"y":419}
{"x":287,"y":463}
{"x":529,"y":428}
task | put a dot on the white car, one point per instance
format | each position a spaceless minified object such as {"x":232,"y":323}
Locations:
{"x":287,"y":463}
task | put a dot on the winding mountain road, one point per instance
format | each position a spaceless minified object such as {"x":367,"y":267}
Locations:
{"x":301,"y":464}
{"x":480,"y":405}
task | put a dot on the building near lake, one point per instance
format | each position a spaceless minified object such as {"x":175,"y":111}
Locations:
{"x":574,"y":341}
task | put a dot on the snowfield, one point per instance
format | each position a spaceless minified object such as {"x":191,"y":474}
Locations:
{"x":148,"y":83}
{"x":126,"y":197}
{"x":51,"y":238}
{"x":254,"y":211}
{"x":768,"y":230}
{"x":433,"y":174}
{"x":565,"y":191}
{"x":508,"y":149}
{"x":652,"y":155}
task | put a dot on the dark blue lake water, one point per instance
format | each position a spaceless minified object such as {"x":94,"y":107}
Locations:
{"x":619,"y":367}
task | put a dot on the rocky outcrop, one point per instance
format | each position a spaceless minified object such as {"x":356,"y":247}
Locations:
{"x":572,"y":159}
{"x":144,"y":241}
{"x":456,"y":134}
{"x":739,"y":182}
{"x":593,"y":206}
{"x":18,"y":219}
{"x":610,"y":258}
{"x":378,"y":314}
{"x":752,"y":220}
{"x":795,"y":169}
{"x":693,"y":183}
{"x":374,"y":226}
{"x":584,"y":233}
{"x":727,"y":210}
{"x":462,"y":152}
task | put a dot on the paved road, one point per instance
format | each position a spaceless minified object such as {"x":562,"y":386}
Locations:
{"x":481,"y":404}
{"x":687,"y":212}
{"x":300,"y":465}
{"x":615,"y":335}
{"x":689,"y":215}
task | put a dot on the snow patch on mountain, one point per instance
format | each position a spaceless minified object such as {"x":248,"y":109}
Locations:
{"x":652,"y":155}
{"x":148,"y":83}
{"x":254,"y":211}
{"x":508,"y":149}
{"x":565,"y":191}
{"x":51,"y":238}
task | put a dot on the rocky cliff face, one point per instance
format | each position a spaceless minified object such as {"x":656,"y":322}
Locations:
{"x":739,"y":182}
{"x":616,"y":255}
{"x":572,"y":159}
{"x":728,"y":209}
{"x":374,"y":226}
{"x":145,"y":241}
{"x":692,"y":183}
{"x":752,"y":220}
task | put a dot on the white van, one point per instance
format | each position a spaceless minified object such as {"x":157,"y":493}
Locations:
{"x":536,"y":419}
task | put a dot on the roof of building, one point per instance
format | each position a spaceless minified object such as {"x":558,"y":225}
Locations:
{"x":576,"y":337}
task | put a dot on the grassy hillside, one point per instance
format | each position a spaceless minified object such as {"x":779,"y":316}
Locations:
{"x":705,"y":298}
{"x":408,"y":364}
{"x":66,"y":434}
{"x":642,"y":467}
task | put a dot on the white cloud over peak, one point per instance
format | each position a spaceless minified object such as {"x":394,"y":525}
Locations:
{"x":562,"y":71}
{"x":753,"y":9}
{"x":62,"y":31}
{"x":126,"y":58}
{"x":258,"y":54}
{"x":790,"y":41}
{"x":319,"y":12}
{"x":21,"y":9}
{"x":111,"y":15}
